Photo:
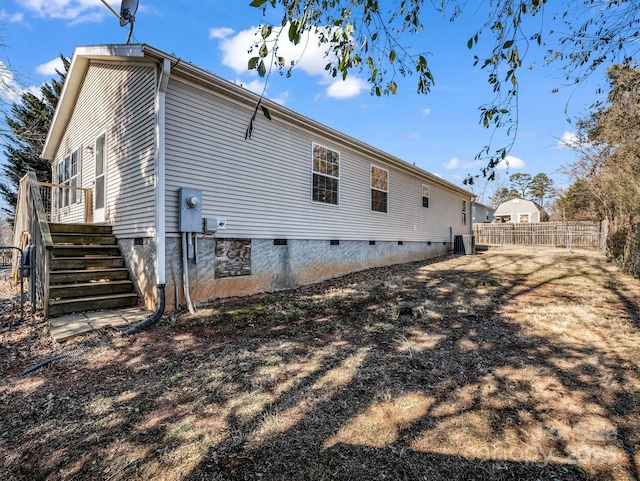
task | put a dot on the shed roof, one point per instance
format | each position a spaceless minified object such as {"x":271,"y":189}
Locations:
{"x":516,"y":205}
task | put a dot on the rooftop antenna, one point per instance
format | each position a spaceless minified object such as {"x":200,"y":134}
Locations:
{"x":128,"y":9}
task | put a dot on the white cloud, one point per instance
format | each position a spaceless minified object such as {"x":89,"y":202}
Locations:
{"x":257,"y":86}
{"x":76,"y":11}
{"x":9,"y":89}
{"x":50,"y":67}
{"x":455,"y":163}
{"x":221,"y":33}
{"x":451,"y":164}
{"x":569,"y":140}
{"x":426,"y":112}
{"x":11,"y":17}
{"x":412,"y":135}
{"x":308,"y":56}
{"x":343,"y":89}
{"x":511,"y":162}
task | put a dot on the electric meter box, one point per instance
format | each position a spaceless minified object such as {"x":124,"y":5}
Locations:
{"x":190,"y":210}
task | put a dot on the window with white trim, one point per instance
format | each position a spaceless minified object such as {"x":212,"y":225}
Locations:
{"x":379,"y":189}
{"x":464,"y":212}
{"x":425,"y":195}
{"x":326,"y":175}
{"x":68,"y":174}
{"x":523,"y":218}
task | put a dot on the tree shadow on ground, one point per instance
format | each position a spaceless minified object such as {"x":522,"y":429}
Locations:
{"x":330,"y":382}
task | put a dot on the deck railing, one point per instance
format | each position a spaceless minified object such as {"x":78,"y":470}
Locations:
{"x":67,"y":204}
{"x":40,"y":203}
{"x":31,"y":227}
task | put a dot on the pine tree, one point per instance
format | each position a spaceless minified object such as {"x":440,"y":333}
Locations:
{"x":27,"y":126}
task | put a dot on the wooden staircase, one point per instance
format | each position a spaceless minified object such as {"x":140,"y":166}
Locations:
{"x":87,"y":271}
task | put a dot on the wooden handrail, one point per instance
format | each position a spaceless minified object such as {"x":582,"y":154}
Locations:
{"x":88,"y":197}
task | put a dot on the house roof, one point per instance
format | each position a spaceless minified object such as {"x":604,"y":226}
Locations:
{"x":83,"y":56}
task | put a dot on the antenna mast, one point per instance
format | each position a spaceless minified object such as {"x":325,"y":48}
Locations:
{"x":128,"y":9}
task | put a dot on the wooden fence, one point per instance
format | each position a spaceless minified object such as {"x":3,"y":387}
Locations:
{"x":544,"y":234}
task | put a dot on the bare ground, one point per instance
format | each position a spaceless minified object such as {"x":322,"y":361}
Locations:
{"x":516,"y":365}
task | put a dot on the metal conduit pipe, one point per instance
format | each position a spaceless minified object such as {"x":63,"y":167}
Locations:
{"x":185,"y":274}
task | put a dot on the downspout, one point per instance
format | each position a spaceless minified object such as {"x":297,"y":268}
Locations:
{"x":163,"y":82}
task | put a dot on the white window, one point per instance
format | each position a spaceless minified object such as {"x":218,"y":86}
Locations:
{"x":425,"y":195}
{"x":68,"y":174}
{"x":523,"y":218}
{"x":326,"y":175}
{"x":379,"y":189}
{"x":464,"y":212}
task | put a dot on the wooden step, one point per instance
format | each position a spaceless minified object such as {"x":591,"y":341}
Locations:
{"x":58,"y":307}
{"x":90,"y":289}
{"x":80,"y":276}
{"x":80,"y":228}
{"x":83,"y":239}
{"x":68,"y":263}
{"x":85,"y":251}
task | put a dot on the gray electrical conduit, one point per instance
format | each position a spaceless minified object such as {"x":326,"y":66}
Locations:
{"x":155,"y":317}
{"x":185,"y":274}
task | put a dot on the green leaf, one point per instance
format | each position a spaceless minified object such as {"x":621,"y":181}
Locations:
{"x":262,"y":70}
{"x":392,"y":56}
{"x":265,"y":111}
{"x":393,"y":87}
{"x":507,"y":44}
{"x":257,"y":3}
{"x":294,"y":34}
{"x":253,"y":62}
{"x":266,"y":31}
{"x":470,"y":43}
{"x":264,"y":51}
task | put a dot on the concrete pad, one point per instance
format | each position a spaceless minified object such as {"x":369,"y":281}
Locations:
{"x":134,"y":315}
{"x":71,"y":329}
{"x":68,"y":319}
{"x":108,"y":321}
{"x":101,"y":315}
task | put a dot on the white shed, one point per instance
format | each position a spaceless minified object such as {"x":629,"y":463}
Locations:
{"x":518,"y":211}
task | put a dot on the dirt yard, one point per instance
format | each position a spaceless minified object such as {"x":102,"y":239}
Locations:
{"x":516,"y":365}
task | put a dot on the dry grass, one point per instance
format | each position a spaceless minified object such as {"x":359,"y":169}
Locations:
{"x":519,"y":365}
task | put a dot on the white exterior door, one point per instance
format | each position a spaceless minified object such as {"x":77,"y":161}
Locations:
{"x":99,"y":184}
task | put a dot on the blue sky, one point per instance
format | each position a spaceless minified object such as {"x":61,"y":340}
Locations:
{"x":439,"y":132}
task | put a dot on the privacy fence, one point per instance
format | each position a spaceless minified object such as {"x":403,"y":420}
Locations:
{"x":544,"y":234}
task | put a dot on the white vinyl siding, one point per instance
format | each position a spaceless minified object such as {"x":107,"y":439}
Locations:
{"x":125,"y":95}
{"x":261,"y":186}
